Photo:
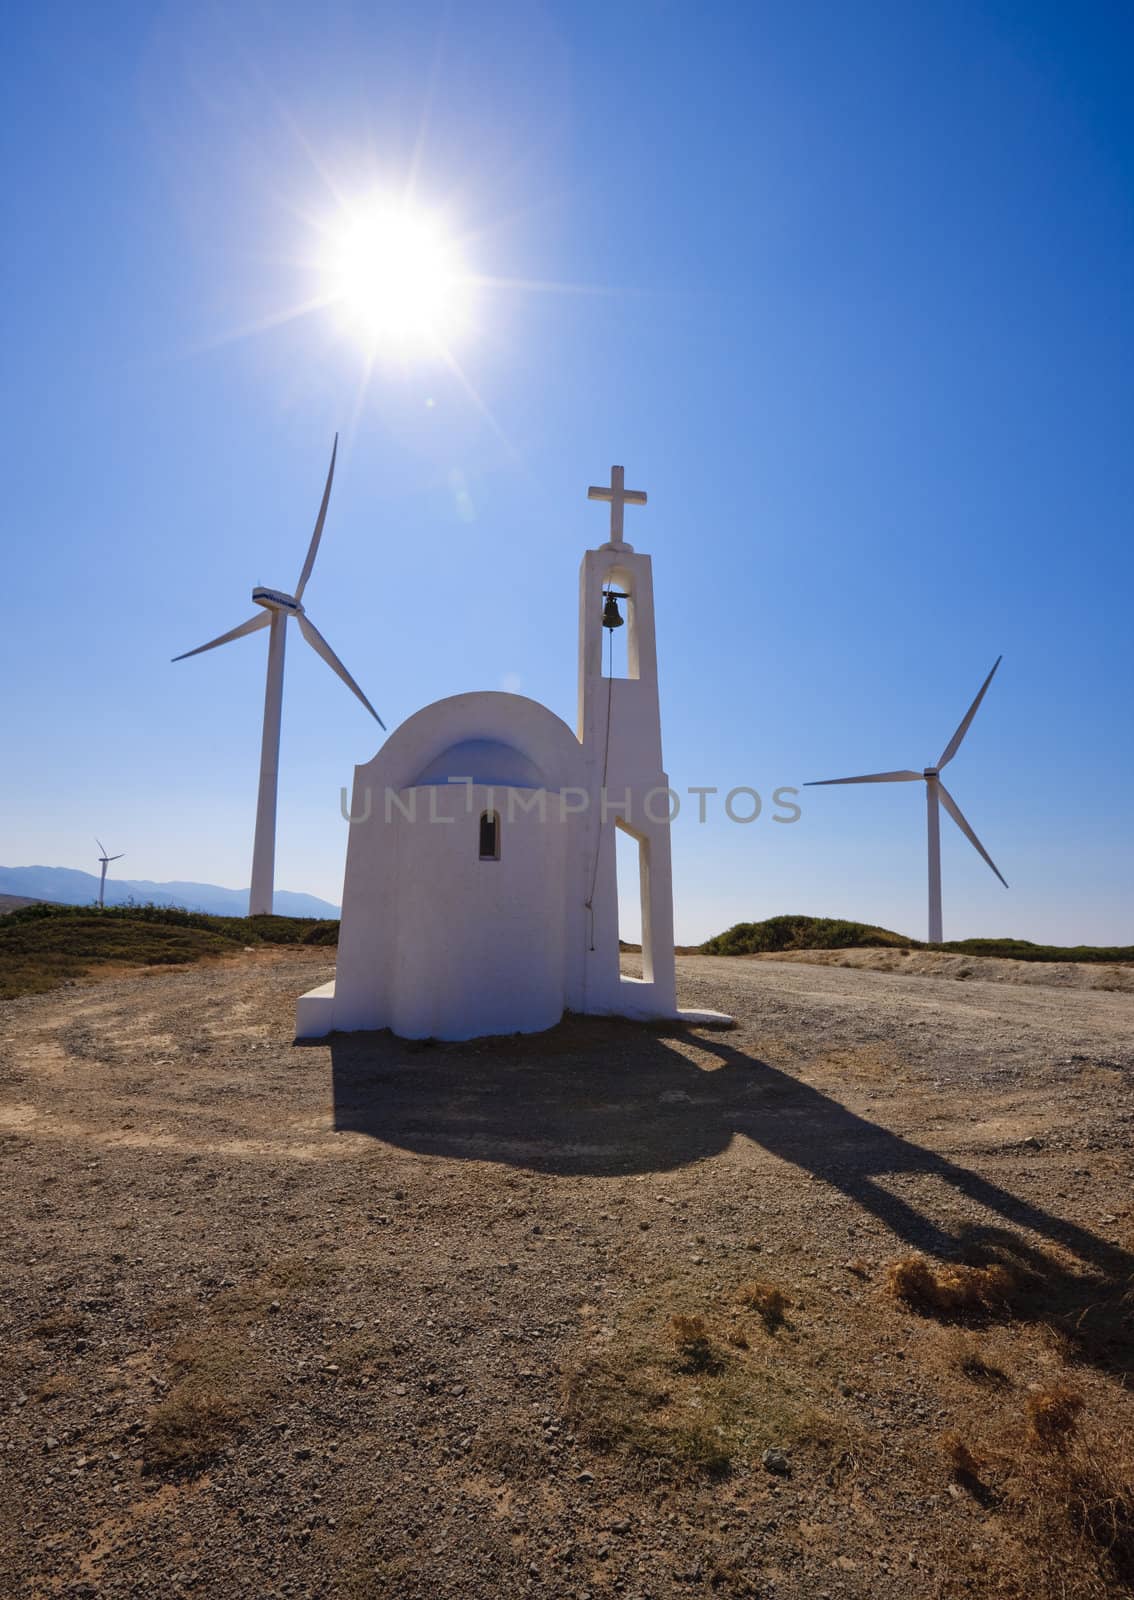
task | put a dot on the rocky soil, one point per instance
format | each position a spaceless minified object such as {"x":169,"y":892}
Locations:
{"x":370,"y":1318}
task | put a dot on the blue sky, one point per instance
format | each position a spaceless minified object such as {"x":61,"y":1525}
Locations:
{"x":865,"y":334}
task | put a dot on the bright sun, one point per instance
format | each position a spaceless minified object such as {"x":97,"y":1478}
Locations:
{"x":396,"y":277}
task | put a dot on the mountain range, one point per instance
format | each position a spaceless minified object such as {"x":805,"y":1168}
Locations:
{"x":72,"y":888}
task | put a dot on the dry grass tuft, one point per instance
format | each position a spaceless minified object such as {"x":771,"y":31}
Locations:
{"x":972,"y":1359}
{"x":54,"y":1388}
{"x":190,"y":1429}
{"x":217,"y":1367}
{"x":980,"y":1370}
{"x":362,"y":1357}
{"x":61,"y":1322}
{"x":1062,"y":1481}
{"x":960,"y":1455}
{"x":765,"y":1299}
{"x":213,"y":1397}
{"x":1053,"y":1415}
{"x":1074,"y":1488}
{"x":694,"y":1347}
{"x":615,"y":1397}
{"x":948,"y":1290}
{"x":717,"y":1407}
{"x":969,"y":1469}
{"x":622,"y":1399}
{"x":1101,"y":1509}
{"x":169,"y":1314}
{"x":702,"y":1449}
{"x":284,"y":1280}
{"x":211,"y":1356}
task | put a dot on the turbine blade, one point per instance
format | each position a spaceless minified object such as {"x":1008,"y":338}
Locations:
{"x":101,"y":846}
{"x":319,"y":521}
{"x":869,"y":777}
{"x":260,"y":620}
{"x":958,"y":817}
{"x":955,"y":742}
{"x":320,"y":646}
{"x":118,"y":857}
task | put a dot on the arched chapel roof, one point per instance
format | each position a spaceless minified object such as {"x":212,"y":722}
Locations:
{"x":490,"y":737}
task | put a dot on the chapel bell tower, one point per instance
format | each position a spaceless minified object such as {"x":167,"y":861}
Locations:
{"x":620,"y":731}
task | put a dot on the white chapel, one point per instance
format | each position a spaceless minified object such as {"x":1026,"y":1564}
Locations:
{"x":480,"y":894}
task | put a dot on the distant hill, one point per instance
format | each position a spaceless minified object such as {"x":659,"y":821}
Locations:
{"x":15,"y":902}
{"x":72,"y":888}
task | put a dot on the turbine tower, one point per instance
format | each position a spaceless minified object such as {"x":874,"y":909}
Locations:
{"x":105,"y":860}
{"x":277,"y":608}
{"x":936,"y":795}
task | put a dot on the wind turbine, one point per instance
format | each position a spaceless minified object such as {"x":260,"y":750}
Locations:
{"x":277,"y":608}
{"x":935,"y":794}
{"x":106,"y":860}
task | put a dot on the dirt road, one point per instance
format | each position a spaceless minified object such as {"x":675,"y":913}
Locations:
{"x":370,"y":1318}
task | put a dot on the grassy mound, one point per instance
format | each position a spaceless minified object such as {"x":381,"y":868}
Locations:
{"x":1024,"y":950}
{"x":829,"y":933}
{"x":43,"y":945}
{"x":799,"y":933}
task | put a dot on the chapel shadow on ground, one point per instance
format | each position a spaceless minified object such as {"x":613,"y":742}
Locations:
{"x":600,"y":1097}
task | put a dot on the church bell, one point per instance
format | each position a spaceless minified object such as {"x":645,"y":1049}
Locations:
{"x":611,"y":616}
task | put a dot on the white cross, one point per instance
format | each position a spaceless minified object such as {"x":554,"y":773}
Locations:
{"x":619,"y":496}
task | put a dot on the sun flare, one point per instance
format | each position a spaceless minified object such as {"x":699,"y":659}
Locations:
{"x":396,"y":277}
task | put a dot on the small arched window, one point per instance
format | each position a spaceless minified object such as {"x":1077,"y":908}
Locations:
{"x":490,"y":836}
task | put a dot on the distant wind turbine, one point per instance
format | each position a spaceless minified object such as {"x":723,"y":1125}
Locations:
{"x":106,"y":860}
{"x":935,"y":792}
{"x":278,"y":607}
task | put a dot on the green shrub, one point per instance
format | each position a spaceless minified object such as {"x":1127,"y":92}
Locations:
{"x":798,"y":933}
{"x":1024,"y":950}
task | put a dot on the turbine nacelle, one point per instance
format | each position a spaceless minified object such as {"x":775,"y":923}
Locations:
{"x":276,"y":600}
{"x":932,"y":772}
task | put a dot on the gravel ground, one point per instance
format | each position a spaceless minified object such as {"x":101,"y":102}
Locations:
{"x":409,"y":1303}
